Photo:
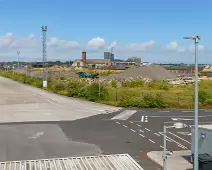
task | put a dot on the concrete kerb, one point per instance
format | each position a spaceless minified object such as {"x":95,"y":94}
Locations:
{"x":175,"y":162}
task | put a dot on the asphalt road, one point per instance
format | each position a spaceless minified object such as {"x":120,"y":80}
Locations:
{"x":36,"y":124}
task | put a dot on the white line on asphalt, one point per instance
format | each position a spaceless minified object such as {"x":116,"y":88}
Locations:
{"x":161,"y":146}
{"x":124,"y":125}
{"x":168,"y":138}
{"x":132,"y":130}
{"x":156,"y":134}
{"x":142,"y":135}
{"x":142,"y":118}
{"x":147,"y":129}
{"x":181,"y":146}
{"x":179,"y":137}
{"x":138,"y":125}
{"x":151,"y":141}
{"x":141,"y":130}
{"x":117,"y":122}
{"x":124,"y":115}
{"x":165,"y":111}
{"x":187,"y":111}
{"x":131,"y":122}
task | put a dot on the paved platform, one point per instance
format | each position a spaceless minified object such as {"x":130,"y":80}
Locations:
{"x":178,"y":161}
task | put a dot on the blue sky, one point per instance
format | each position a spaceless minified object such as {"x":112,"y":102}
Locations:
{"x":130,"y":26}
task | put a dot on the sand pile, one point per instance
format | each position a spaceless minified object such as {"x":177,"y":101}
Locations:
{"x":145,"y":72}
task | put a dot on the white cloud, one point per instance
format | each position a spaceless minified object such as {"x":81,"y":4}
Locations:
{"x":172,"y":46}
{"x":141,"y":46}
{"x":54,"y":42}
{"x":97,"y":43}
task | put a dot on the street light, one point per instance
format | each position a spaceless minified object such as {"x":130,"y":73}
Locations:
{"x":178,"y":125}
{"x":196,"y":40}
{"x":45,"y":73}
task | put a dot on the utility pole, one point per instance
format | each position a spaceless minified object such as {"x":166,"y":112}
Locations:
{"x":45,"y":78}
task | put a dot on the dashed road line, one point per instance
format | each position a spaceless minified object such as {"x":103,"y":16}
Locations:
{"x":161,"y":146}
{"x":151,"y":141}
{"x":147,"y":129}
{"x":132,"y":130}
{"x":118,"y":123}
{"x":142,"y":135}
{"x":187,"y":111}
{"x":156,"y":134}
{"x":131,"y":122}
{"x":138,"y":125}
{"x":141,"y":130}
{"x":124,"y":125}
{"x":164,"y":111}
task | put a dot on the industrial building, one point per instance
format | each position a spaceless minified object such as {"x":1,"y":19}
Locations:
{"x":109,"y":56}
{"x":91,"y":63}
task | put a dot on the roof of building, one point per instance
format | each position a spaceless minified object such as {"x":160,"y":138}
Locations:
{"x":97,"y":61}
{"x":207,"y":69}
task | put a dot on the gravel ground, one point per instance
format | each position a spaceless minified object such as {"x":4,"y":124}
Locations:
{"x":150,"y":72}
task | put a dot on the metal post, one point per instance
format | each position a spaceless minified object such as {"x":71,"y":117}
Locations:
{"x":196,"y":166}
{"x":45,"y":78}
{"x":164,"y":148}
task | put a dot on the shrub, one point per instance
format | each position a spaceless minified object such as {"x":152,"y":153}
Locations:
{"x":74,"y":87}
{"x":114,"y":83}
{"x":133,"y":84}
{"x":159,"y":85}
{"x":202,"y":96}
{"x":92,"y":92}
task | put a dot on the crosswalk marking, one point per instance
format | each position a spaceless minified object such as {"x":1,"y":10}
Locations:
{"x":144,"y":118}
{"x":124,"y":115}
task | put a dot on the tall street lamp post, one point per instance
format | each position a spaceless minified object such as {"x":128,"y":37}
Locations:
{"x":196,"y":40}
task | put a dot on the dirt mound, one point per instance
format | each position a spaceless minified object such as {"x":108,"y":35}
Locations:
{"x":150,"y":72}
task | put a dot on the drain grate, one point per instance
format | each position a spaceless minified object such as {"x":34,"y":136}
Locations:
{"x":103,"y":162}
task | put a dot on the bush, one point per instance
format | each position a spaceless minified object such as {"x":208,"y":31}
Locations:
{"x":114,"y":83}
{"x":159,"y":85}
{"x":202,"y":96}
{"x":148,"y":101}
{"x":74,"y":87}
{"x":133,"y":84}
{"x":92,"y":92}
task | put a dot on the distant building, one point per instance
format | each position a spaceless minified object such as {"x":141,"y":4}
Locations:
{"x":91,"y":63}
{"x":108,"y":56}
{"x":135,"y":59}
{"x":207,"y":71}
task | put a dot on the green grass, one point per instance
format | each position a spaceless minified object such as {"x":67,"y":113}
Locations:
{"x":134,"y":94}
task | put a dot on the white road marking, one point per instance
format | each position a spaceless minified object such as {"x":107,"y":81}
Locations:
{"x":168,"y":138}
{"x":142,"y":118}
{"x":147,"y":129}
{"x":124,"y":125}
{"x":175,"y":119}
{"x":151,"y":141}
{"x":164,"y":111}
{"x":118,"y":123}
{"x":180,"y":138}
{"x":131,"y":122}
{"x":146,"y":118}
{"x":141,"y":130}
{"x":142,"y":135}
{"x":132,"y":130}
{"x":138,"y":125}
{"x":156,"y":134}
{"x":124,"y":115}
{"x":187,"y":111}
{"x":161,"y":146}
{"x":185,"y":133}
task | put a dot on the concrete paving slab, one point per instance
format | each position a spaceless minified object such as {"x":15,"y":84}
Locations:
{"x":179,"y":159}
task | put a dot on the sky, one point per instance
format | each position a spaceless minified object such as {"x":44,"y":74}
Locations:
{"x":150,"y":29}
